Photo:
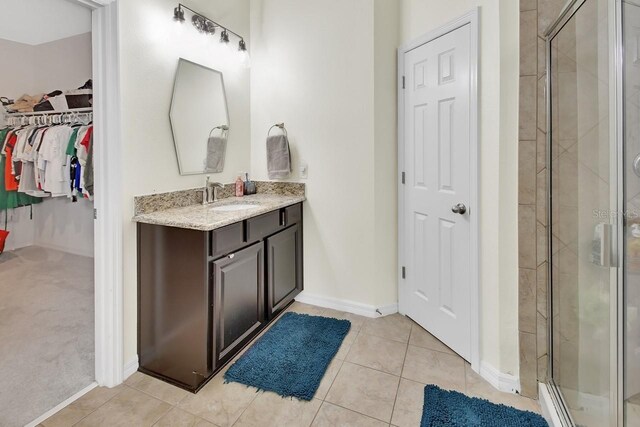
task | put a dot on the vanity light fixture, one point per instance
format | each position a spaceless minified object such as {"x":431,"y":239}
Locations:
{"x":206,"y":25}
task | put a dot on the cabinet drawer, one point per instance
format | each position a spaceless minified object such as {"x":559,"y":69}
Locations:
{"x":264,"y":225}
{"x":293,"y":214}
{"x":226,"y":239}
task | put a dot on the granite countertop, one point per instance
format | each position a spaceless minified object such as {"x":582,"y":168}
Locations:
{"x":206,"y":218}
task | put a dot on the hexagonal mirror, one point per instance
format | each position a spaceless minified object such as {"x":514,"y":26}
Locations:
{"x":199,"y":119}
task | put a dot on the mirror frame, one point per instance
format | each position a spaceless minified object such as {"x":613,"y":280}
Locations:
{"x":173,"y":94}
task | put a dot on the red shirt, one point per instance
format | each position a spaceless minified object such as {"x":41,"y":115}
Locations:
{"x":10,"y":181}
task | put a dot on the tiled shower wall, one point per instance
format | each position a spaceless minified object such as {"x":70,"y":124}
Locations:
{"x":535,"y":18}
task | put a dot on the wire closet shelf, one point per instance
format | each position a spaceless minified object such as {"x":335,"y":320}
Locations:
{"x":76,"y":115}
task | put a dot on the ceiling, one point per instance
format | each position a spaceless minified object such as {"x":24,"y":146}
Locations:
{"x":36,"y":22}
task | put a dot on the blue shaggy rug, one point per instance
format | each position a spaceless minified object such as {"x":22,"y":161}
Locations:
{"x":291,"y":358}
{"x":452,"y":409}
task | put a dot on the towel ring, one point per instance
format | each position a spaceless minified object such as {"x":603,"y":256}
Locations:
{"x":281,"y":127}
{"x":223,"y":128}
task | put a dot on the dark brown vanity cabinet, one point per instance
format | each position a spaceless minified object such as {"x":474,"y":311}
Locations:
{"x":202,"y":296}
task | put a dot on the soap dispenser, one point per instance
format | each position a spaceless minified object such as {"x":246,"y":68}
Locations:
{"x":249,"y":186}
{"x":239,"y":186}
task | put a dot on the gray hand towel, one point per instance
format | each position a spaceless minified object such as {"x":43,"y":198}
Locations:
{"x":216,"y":149}
{"x":278,"y":157}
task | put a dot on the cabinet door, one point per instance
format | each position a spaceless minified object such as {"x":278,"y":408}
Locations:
{"x":284,"y":268}
{"x":238,"y":304}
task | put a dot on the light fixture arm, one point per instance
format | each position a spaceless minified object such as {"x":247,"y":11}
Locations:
{"x":182,"y":6}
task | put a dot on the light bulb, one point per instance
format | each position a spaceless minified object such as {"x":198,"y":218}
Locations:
{"x":245,"y":59}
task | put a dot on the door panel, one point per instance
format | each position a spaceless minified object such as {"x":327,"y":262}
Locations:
{"x":239,"y":299}
{"x":437,"y":159}
{"x":284,"y":268}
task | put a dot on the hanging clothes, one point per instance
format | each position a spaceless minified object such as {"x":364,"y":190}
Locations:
{"x":13,"y":199}
{"x":39,"y":161}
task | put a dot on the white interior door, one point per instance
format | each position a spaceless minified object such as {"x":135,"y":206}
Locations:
{"x":437,"y":140}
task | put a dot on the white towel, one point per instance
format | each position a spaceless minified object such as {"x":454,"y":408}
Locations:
{"x":278,"y":157}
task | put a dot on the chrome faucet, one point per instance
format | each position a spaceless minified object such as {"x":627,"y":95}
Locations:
{"x":210,"y":192}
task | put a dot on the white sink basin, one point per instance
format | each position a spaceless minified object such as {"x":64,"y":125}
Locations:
{"x":234,"y":207}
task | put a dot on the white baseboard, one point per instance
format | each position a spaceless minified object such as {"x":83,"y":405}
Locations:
{"x":501,"y":381}
{"x":549,"y":411}
{"x":63,"y":405}
{"x":348,"y":306}
{"x":131,"y":367}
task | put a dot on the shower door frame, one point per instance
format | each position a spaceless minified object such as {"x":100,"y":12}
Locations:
{"x":616,"y":161}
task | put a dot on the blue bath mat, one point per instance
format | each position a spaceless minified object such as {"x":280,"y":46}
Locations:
{"x":452,"y":409}
{"x":291,"y":358}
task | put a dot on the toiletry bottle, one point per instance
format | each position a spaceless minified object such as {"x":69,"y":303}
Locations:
{"x":239,"y":186}
{"x":249,"y":186}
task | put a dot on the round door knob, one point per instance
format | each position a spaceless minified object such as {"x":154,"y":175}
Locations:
{"x":460,"y":208}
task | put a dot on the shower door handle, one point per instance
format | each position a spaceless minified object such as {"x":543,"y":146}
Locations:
{"x":601,"y":253}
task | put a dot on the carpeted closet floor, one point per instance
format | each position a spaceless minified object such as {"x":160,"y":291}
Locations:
{"x":46,"y":331}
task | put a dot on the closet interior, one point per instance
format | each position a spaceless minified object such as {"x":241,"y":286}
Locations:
{"x":46,"y":207}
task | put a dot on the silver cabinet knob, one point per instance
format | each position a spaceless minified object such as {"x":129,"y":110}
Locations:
{"x":460,"y":208}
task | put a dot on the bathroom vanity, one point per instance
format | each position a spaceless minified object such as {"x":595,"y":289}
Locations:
{"x":210,"y":278}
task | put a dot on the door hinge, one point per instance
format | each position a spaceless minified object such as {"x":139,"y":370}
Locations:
{"x":95,"y":214}
{"x":404,"y":272}
{"x":402,"y":82}
{"x":403,"y":177}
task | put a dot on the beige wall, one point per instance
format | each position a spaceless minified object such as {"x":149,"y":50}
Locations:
{"x":151,"y":44}
{"x":63,"y":64}
{"x":316,"y":66}
{"x":385,"y":178}
{"x":19,"y":78}
{"x":498,"y":162}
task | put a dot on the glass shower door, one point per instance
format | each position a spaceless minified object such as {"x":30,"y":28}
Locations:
{"x":631,"y":108}
{"x":581,"y":214}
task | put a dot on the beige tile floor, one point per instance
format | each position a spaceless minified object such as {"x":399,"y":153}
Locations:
{"x":376,"y":379}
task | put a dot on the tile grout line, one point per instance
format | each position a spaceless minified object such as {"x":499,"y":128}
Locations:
{"x":395,"y":400}
{"x":324,"y":399}
{"x":95,"y":410}
{"x":317,"y":410}
{"x":340,"y":406}
{"x":157,"y":398}
{"x":163,"y":415}
{"x":338,"y":373}
{"x":360,"y":413}
{"x":247,"y":407}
